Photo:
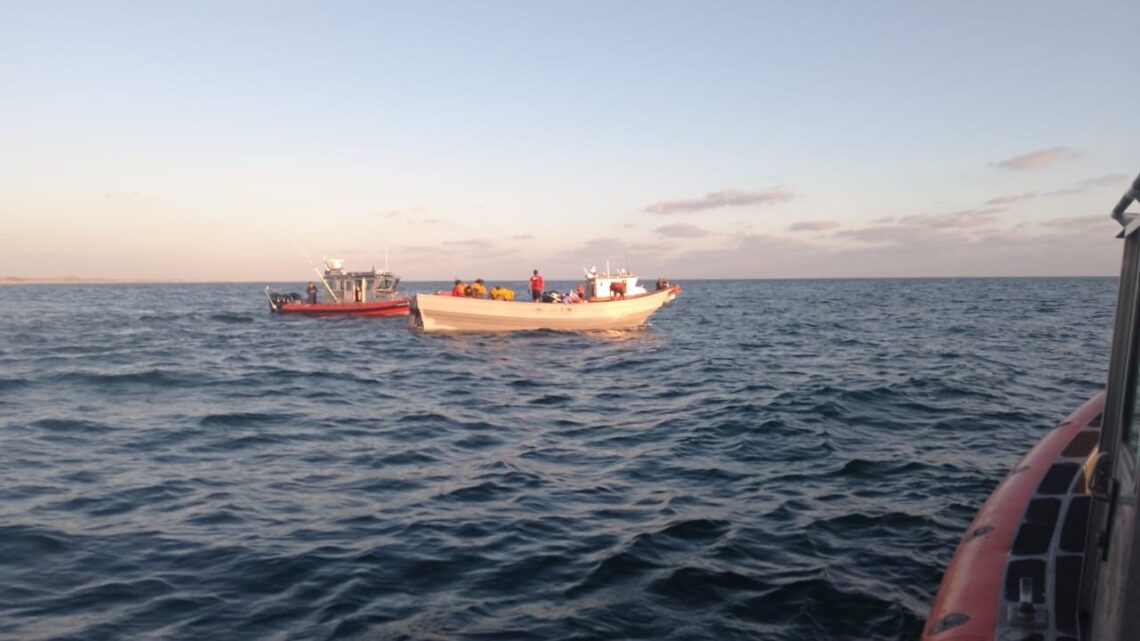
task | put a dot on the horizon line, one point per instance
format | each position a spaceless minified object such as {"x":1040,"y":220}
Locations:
{"x":77,"y":280}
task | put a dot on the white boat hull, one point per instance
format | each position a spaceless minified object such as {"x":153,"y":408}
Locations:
{"x":443,"y":313}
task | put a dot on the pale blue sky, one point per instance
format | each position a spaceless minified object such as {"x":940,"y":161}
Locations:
{"x":191,"y":140}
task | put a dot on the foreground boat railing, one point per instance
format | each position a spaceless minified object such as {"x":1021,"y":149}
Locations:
{"x":1127,"y":199}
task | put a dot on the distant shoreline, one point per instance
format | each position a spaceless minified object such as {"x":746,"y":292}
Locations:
{"x":66,"y":280}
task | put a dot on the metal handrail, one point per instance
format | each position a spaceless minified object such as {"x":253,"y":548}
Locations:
{"x":1129,"y":196}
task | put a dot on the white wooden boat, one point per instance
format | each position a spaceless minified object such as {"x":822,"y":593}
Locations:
{"x":446,"y":313}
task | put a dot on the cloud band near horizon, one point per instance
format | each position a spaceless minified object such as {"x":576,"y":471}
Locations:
{"x":720,"y":200}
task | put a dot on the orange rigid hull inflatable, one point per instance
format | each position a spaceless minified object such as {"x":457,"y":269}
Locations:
{"x":969,"y":605}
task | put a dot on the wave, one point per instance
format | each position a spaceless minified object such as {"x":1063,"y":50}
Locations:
{"x":241,"y":419}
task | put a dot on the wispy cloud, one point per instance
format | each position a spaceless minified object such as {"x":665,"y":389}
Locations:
{"x":963,"y":219}
{"x":681,"y":230}
{"x":905,"y":250}
{"x":813,"y":225}
{"x":1108,"y":180}
{"x":1073,"y":223}
{"x":720,"y":200}
{"x":930,"y":230}
{"x":1009,"y":199}
{"x":1035,"y":159}
{"x":881,"y":234}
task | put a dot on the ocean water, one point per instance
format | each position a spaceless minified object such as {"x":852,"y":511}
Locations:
{"x":766,"y":460}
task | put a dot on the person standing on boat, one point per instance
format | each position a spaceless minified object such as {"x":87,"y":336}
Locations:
{"x":459,"y":289}
{"x":311,"y":290}
{"x":536,"y":285}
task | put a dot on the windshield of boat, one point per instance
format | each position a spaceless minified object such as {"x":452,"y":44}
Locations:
{"x":387,"y":282}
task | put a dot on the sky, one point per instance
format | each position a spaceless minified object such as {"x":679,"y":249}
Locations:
{"x":236,"y":141}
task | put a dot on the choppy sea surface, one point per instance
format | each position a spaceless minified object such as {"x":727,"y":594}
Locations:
{"x":766,"y":460}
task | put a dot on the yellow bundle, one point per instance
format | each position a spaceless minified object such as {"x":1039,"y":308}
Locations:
{"x":502,"y":293}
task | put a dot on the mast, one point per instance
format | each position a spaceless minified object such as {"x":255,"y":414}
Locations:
{"x":311,"y":264}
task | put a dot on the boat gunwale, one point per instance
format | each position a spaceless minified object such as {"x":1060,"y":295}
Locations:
{"x":975,"y":577}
